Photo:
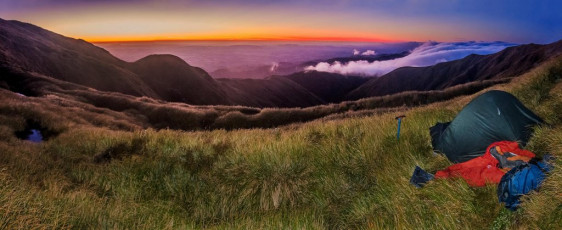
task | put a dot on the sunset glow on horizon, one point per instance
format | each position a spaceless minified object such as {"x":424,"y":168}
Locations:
{"x":171,"y":38}
{"x":252,"y":20}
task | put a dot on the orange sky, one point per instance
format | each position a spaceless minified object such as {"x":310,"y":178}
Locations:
{"x":237,"y":37}
{"x":98,"y":23}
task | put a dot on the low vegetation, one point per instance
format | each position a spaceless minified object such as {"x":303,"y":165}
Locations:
{"x":102,"y":172}
{"x":123,"y":112}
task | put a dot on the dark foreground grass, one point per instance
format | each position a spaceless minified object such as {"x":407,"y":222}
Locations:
{"x":337,"y":174}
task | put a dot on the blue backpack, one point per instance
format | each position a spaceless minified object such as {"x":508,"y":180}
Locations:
{"x":521,"y":180}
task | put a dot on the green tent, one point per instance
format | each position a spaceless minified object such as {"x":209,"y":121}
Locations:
{"x":492,"y":116}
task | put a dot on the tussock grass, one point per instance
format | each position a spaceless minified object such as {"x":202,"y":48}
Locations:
{"x":119,"y":111}
{"x":343,"y":173}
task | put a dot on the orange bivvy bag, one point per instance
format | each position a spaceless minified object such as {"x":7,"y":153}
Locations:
{"x":499,"y":158}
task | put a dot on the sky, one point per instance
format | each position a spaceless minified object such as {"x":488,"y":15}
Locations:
{"x":517,"y":21}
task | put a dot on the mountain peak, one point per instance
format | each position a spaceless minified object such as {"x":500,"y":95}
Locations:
{"x":162,"y":59}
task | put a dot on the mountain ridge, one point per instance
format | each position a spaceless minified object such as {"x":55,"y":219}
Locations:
{"x":166,"y":77}
{"x":507,"y":63}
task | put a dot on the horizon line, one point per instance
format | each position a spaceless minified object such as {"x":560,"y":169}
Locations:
{"x":258,"y":39}
{"x":285,"y":39}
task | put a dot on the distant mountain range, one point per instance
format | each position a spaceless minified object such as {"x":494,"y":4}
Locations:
{"x":507,"y":63}
{"x":30,"y":49}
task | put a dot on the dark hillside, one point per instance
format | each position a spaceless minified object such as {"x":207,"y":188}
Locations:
{"x":175,"y":80}
{"x":508,"y":63}
{"x":330,"y":87}
{"x":30,"y":48}
{"x":272,"y":92}
{"x":34,"y":49}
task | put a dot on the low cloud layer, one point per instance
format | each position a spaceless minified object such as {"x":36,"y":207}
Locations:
{"x":427,"y":54}
{"x":273,"y":67}
{"x":368,"y":53}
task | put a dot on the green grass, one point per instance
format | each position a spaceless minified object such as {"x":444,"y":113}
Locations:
{"x":325,"y":174}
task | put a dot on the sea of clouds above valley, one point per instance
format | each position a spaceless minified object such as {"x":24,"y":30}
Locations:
{"x":427,"y":54}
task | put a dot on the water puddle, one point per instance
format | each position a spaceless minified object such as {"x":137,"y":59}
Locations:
{"x":35,"y":136}
{"x":33,"y":132}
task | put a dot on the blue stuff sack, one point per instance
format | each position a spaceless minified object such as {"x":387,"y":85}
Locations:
{"x":520,"y":181}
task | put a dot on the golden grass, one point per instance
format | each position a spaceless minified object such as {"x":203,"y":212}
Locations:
{"x":81,"y":105}
{"x":348,"y":172}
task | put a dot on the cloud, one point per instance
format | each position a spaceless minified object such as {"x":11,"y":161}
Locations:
{"x":274,"y":66}
{"x":427,"y":54}
{"x":368,"y":53}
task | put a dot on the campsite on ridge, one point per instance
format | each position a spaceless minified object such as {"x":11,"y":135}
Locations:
{"x":280,"y":115}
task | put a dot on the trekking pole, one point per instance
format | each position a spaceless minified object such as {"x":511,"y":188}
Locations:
{"x":399,"y":118}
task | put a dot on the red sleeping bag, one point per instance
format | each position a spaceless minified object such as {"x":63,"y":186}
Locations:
{"x":486,"y":168}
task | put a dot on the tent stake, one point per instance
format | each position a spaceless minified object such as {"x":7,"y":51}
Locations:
{"x":399,"y":118}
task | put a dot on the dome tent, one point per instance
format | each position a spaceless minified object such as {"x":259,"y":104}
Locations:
{"x":493,"y":116}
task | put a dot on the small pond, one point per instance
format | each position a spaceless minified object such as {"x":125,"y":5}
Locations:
{"x":33,"y":132}
{"x":33,"y":135}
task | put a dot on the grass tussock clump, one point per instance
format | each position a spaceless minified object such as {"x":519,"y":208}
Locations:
{"x":327,"y":174}
{"x":121,"y":149}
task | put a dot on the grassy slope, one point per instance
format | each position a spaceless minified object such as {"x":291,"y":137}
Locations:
{"x":343,"y":173}
{"x":61,"y":105}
